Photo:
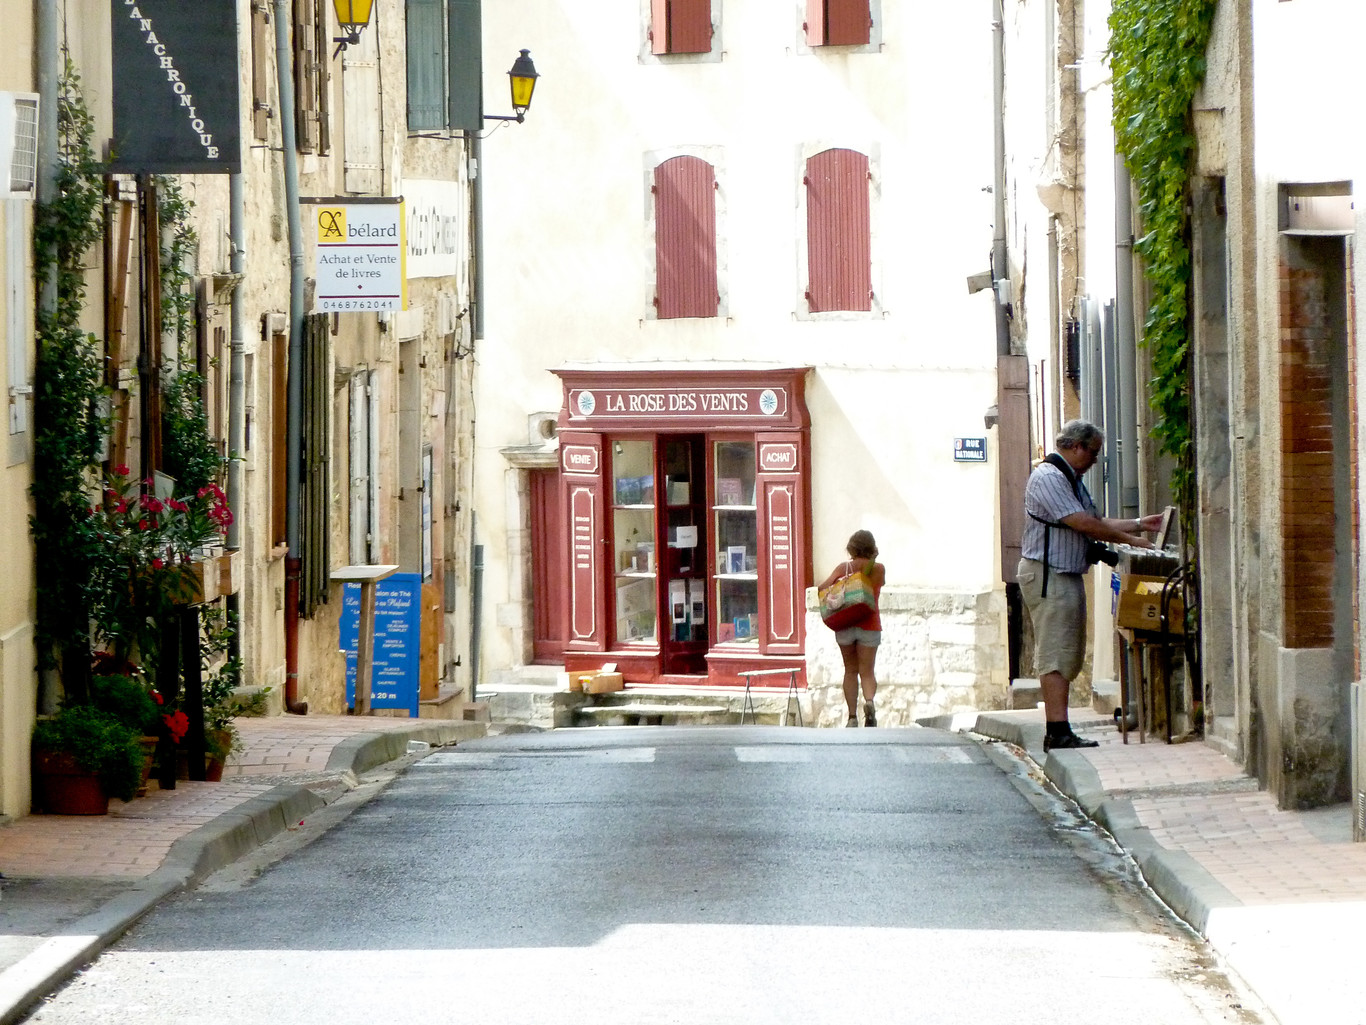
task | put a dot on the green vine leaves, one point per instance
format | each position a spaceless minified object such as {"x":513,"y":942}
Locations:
{"x":1157,"y":56}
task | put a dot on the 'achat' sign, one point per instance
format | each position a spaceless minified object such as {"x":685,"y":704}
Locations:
{"x":176,"y":108}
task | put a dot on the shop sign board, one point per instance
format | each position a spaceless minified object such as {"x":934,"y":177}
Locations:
{"x":361,"y":256}
{"x":583,"y":578}
{"x":175,"y":87}
{"x":435,"y":220}
{"x":711,"y":405}
{"x":398,"y":637}
{"x":782,"y":624}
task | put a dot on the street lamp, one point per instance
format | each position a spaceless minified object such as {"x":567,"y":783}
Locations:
{"x":522,"y":78}
{"x":352,"y":16}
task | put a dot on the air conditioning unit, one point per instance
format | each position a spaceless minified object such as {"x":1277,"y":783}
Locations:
{"x":1358,"y":721}
{"x":18,"y":145}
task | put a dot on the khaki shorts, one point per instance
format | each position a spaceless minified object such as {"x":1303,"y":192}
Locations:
{"x":1059,"y":619}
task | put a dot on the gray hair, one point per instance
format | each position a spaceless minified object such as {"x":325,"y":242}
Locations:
{"x":1077,"y":433}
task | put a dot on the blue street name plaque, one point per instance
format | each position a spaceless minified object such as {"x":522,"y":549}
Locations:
{"x":969,"y":450}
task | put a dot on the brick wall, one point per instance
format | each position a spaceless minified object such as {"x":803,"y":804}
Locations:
{"x":1306,"y":455}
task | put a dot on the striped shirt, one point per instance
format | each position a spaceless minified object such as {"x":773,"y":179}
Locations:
{"x":1049,"y":496}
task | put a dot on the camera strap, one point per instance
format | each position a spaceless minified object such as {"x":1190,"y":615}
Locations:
{"x":1048,"y":525}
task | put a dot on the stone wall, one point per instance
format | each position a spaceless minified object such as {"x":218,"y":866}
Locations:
{"x":940,"y":653}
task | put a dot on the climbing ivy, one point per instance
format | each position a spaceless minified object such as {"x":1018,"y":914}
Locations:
{"x":189,"y":453}
{"x":1157,"y":55}
{"x":69,"y":423}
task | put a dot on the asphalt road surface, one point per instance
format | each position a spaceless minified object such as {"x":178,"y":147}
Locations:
{"x":659,"y":875}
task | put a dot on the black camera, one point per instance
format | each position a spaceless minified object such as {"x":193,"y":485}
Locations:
{"x":1099,"y":551}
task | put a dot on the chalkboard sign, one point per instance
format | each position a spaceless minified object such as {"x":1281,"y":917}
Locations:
{"x":398,"y":636}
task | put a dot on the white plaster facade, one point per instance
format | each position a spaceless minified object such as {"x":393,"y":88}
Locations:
{"x":570,"y":256}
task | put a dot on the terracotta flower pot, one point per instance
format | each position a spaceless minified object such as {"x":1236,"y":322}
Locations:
{"x":64,"y":788}
{"x":149,"y":757}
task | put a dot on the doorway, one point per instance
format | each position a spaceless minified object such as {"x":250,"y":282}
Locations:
{"x":549,"y":569}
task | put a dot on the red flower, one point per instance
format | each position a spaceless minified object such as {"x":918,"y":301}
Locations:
{"x":157,"y":563}
{"x":122,"y":470}
{"x":143,"y":524}
{"x":156,"y":696}
{"x":178,"y":723}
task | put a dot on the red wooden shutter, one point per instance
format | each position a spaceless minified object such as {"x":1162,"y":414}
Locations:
{"x":689,"y":26}
{"x":659,"y":26}
{"x":815,"y":22}
{"x":549,"y":568}
{"x":847,"y":22}
{"x":838,"y":250}
{"x":685,"y":238}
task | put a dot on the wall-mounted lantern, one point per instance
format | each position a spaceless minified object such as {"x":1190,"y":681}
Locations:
{"x":522,"y":78}
{"x":352,"y":16}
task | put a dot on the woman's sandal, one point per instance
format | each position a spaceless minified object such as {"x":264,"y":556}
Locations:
{"x":869,"y":716}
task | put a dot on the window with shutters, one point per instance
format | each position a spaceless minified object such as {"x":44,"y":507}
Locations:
{"x":838,"y":232}
{"x":261,"y":43}
{"x":684,"y":191}
{"x":839,"y":22}
{"x":445,"y":70}
{"x":362,"y":155}
{"x":680,"y":26}
{"x":311,"y":76}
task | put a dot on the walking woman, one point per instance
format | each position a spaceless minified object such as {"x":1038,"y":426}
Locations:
{"x":858,"y":644}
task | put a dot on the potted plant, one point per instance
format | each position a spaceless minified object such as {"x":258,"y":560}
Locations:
{"x":129,"y":700}
{"x":82,"y":756}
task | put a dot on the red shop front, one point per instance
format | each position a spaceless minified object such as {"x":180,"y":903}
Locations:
{"x":686,"y":507}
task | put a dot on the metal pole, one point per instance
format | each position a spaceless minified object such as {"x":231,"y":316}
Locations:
{"x":1126,"y":351}
{"x":237,"y":390}
{"x":999,"y":269}
{"x":284,"y":64}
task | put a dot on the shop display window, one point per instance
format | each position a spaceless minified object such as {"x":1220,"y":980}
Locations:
{"x":633,"y":533}
{"x":737,"y":543}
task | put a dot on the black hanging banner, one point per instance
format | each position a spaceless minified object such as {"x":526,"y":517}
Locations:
{"x":176,"y":108}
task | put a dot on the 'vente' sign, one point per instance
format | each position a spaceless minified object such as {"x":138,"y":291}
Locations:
{"x":175,"y":72}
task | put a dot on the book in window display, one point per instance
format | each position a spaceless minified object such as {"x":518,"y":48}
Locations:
{"x":729,"y":491}
{"x":735,"y":559}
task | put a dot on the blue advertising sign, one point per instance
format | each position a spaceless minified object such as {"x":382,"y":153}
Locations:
{"x":969,"y":450}
{"x":398,"y":636}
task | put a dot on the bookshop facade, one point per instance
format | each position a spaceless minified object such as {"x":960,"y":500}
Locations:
{"x":685,"y":508}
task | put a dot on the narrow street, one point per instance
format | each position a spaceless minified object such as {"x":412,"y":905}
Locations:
{"x":673,"y":875}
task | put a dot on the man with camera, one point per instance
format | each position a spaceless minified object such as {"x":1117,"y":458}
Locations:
{"x":1063,"y":537}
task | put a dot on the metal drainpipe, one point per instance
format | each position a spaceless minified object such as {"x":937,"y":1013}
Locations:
{"x":1126,"y":352}
{"x":236,"y":392}
{"x":999,"y":269}
{"x":476,"y":612}
{"x":47,"y":42}
{"x":283,"y":67}
{"x":477,"y":230}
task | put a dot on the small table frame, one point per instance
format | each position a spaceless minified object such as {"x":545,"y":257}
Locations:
{"x":747,"y":706}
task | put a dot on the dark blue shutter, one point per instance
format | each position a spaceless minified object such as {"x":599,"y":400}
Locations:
{"x":426,"y":64}
{"x":466,"y":101}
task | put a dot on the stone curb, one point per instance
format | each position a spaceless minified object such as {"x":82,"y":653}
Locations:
{"x":1182,"y":882}
{"x":364,"y":751}
{"x":199,"y":854}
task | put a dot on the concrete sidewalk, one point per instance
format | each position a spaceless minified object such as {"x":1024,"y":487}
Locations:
{"x":1279,"y":895}
{"x":73,"y":884}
